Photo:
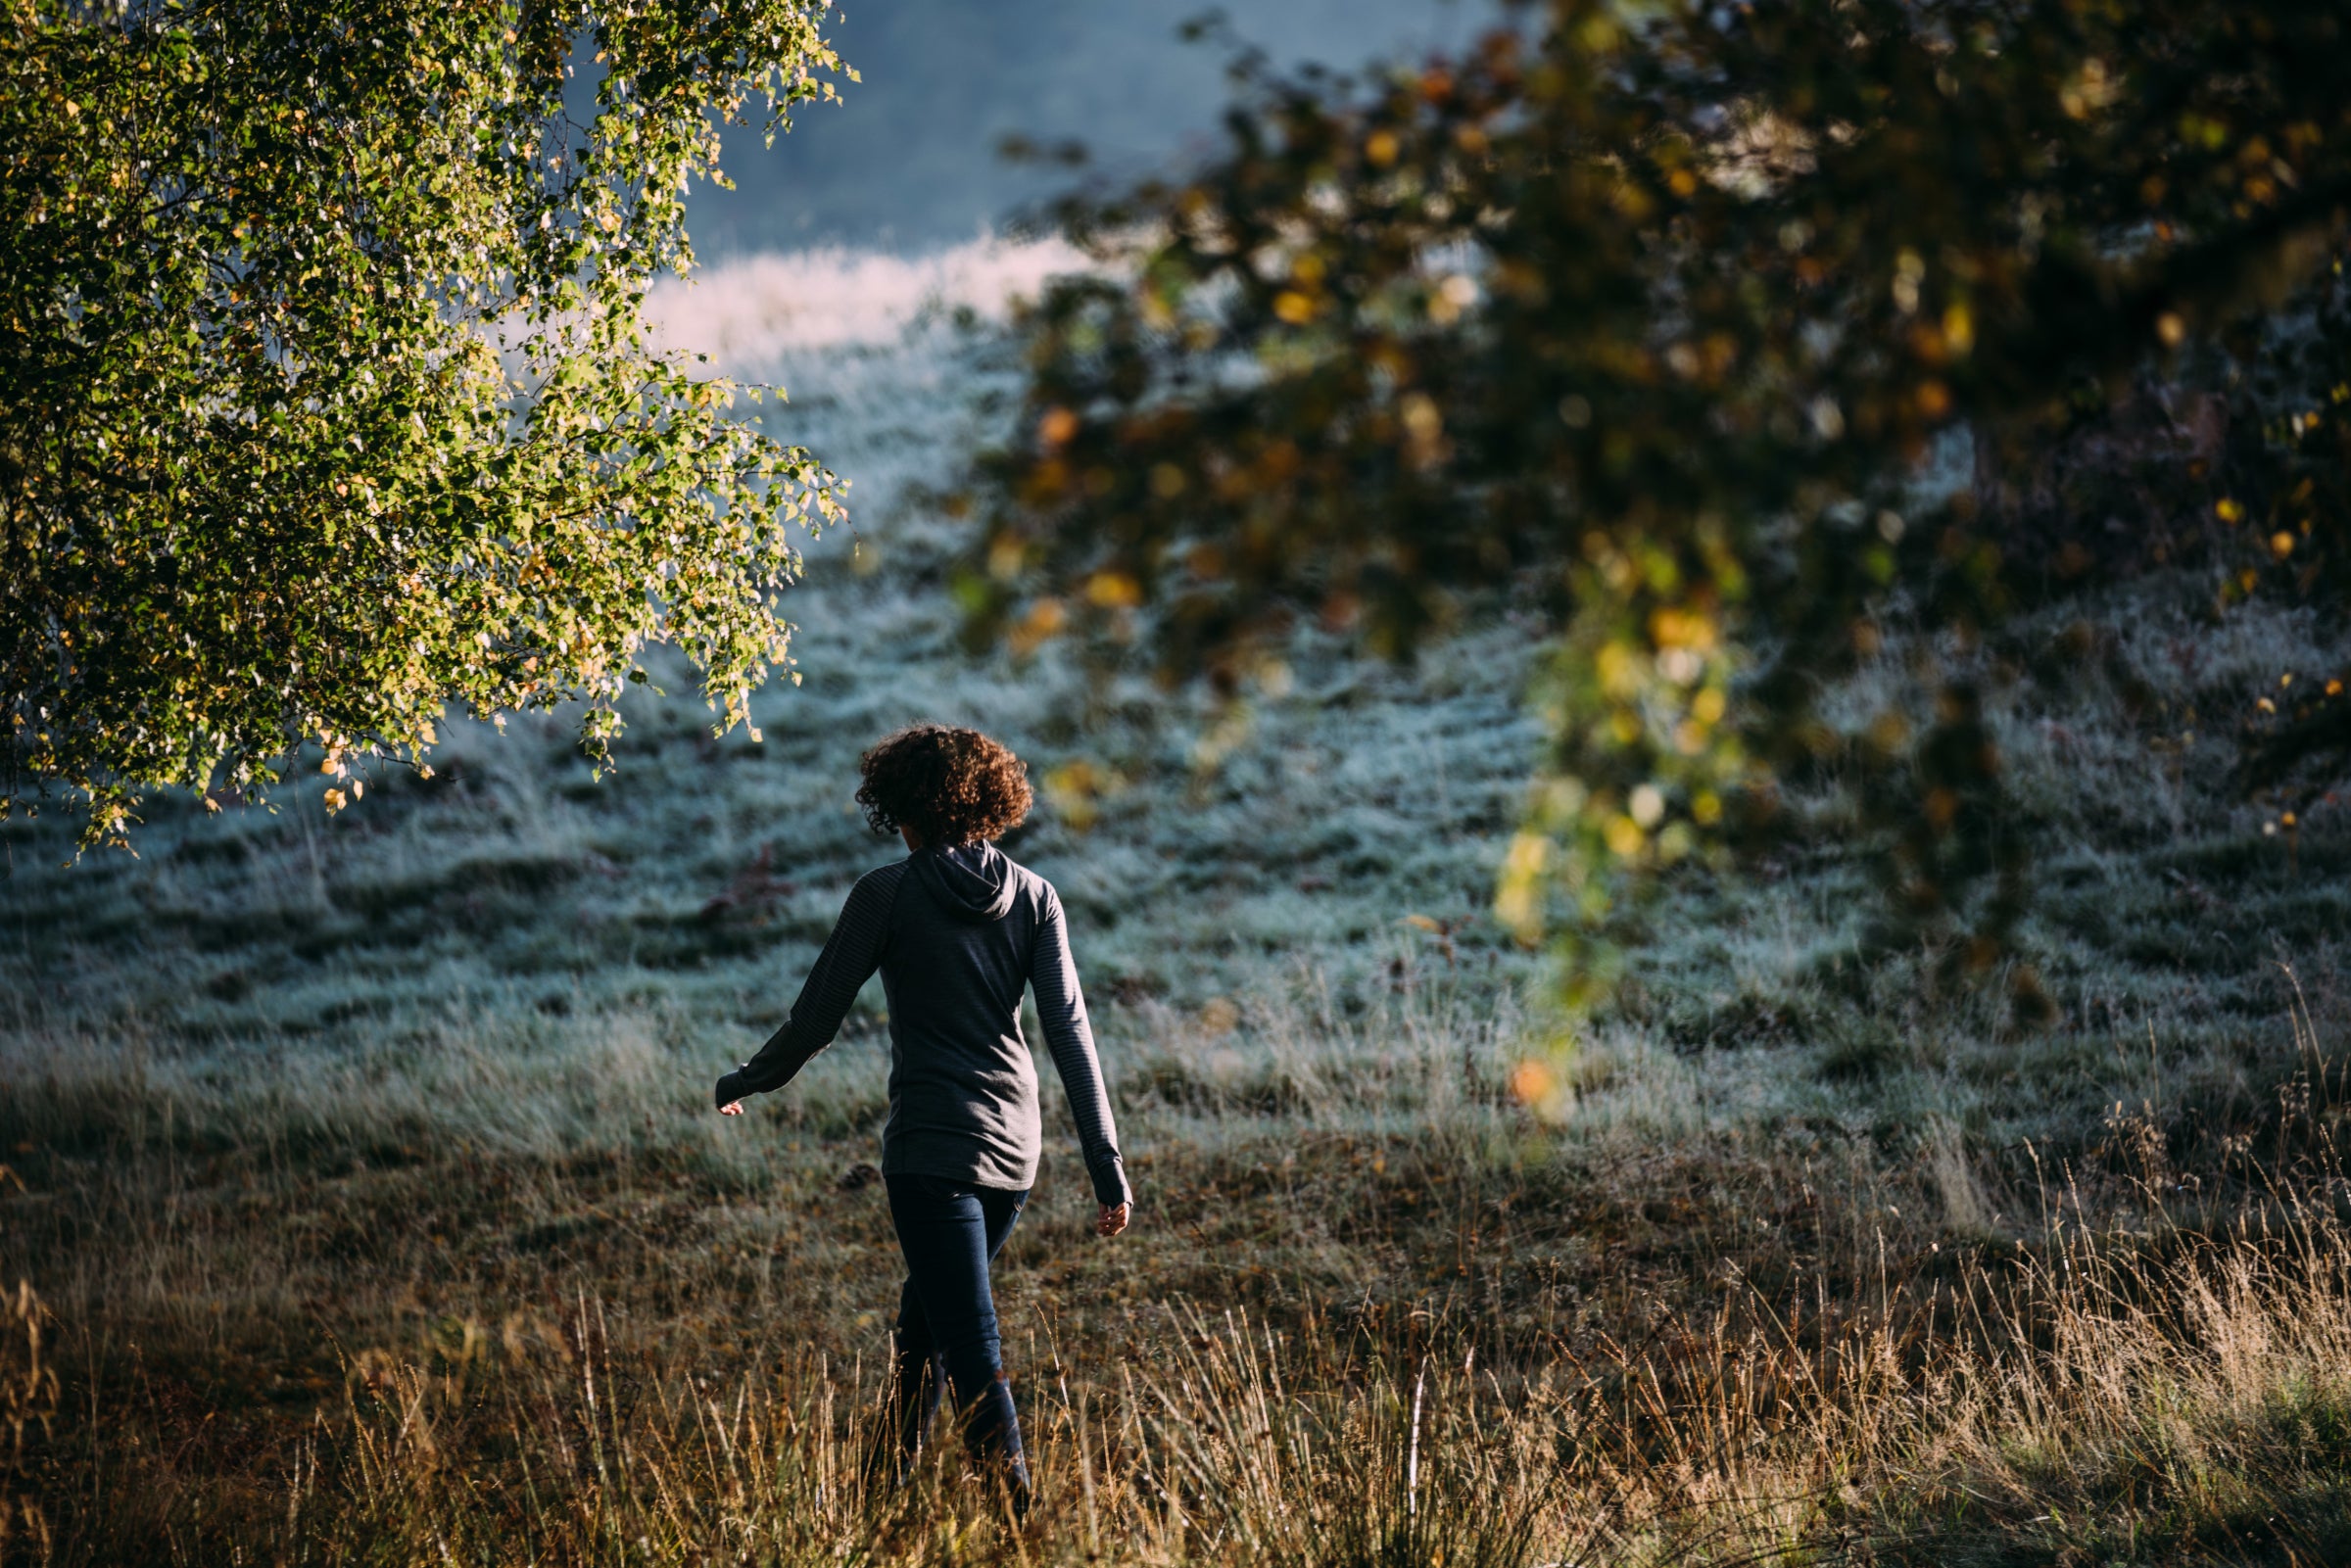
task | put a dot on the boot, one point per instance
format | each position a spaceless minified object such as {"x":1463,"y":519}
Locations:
{"x":993,"y":1434}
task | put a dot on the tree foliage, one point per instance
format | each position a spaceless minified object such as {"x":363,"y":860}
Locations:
{"x":325,"y":403}
{"x":1665,"y":316}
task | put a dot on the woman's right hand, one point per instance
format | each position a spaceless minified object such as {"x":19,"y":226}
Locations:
{"x":1113,"y":1219}
{"x":734,"y":1108}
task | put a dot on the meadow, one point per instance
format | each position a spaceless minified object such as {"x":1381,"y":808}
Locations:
{"x":362,"y":1182}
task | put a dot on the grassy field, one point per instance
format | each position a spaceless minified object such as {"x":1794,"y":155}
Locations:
{"x":362,"y":1173}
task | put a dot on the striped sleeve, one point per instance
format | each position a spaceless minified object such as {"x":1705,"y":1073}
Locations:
{"x":1061,"y":1009}
{"x":851,"y":955}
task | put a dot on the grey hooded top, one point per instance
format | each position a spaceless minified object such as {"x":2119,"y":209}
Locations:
{"x":957,"y":932}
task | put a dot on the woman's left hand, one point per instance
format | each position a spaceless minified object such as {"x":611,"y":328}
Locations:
{"x":734,"y":1108}
{"x":1113,"y":1220}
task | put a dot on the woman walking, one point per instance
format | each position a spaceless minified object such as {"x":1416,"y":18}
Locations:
{"x":957,"y":930}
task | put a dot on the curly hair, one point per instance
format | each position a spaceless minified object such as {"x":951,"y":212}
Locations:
{"x":951,"y":786}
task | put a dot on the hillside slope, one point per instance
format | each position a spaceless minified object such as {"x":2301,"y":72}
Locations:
{"x":699,"y":877}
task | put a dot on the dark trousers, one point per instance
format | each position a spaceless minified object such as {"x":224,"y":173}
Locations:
{"x":950,"y":1233}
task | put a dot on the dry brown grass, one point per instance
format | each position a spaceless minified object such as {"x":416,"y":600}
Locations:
{"x":2091,"y":1407}
{"x":1375,"y":1314}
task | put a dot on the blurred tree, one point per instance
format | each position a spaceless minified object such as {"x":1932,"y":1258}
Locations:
{"x":324,"y":403}
{"x":1680,"y":319}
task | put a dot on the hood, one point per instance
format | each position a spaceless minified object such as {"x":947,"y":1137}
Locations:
{"x":975,"y":880}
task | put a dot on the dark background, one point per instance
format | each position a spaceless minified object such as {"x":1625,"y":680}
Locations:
{"x":911,"y":160}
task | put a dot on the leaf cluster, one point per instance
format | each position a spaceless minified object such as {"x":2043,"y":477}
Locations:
{"x":1667,"y":318}
{"x":325,"y":402}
